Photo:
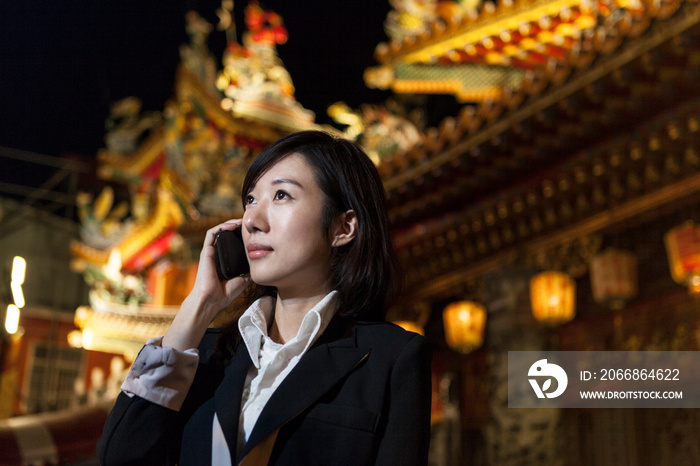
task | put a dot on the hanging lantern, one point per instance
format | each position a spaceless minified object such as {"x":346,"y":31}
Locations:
{"x":464,"y":323}
{"x":614,"y":278}
{"x":411,"y":326}
{"x":552,"y":295}
{"x":683,"y":251}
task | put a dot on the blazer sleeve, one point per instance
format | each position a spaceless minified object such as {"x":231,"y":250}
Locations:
{"x":406,"y":437}
{"x":138,"y":431}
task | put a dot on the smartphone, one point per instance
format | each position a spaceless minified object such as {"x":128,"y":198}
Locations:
{"x":231,"y":258}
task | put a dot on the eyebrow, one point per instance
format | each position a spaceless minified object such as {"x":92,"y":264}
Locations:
{"x":286,"y":180}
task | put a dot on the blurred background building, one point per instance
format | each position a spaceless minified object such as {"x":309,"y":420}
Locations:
{"x":542,"y":165}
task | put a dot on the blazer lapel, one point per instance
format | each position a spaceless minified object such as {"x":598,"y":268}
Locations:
{"x":228,"y":397}
{"x":317,"y":372}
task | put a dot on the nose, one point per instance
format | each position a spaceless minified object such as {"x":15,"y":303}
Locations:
{"x":255,"y":218}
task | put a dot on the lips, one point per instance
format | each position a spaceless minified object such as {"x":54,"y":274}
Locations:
{"x":256,"y":251}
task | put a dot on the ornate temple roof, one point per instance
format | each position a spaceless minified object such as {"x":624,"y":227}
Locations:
{"x":479,"y":54}
{"x":572,"y":151}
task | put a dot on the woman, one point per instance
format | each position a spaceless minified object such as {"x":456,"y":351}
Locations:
{"x":310,"y":373}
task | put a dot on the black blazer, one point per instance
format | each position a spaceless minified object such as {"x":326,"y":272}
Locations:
{"x":359,"y":396}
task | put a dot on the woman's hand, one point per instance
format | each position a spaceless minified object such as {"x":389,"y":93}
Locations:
{"x":208,"y":297}
{"x":208,"y":288}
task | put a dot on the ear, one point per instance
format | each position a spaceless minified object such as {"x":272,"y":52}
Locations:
{"x":344,"y":229}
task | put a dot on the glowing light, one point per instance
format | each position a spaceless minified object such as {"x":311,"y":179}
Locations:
{"x":227,"y":104}
{"x":82,"y":314}
{"x":695,"y":281}
{"x":17,"y":294}
{"x":19,"y":268}
{"x":683,"y":251}
{"x":87,"y":338}
{"x":221,"y":83}
{"x":75,"y":339}
{"x":12,"y":319}
{"x":464,"y":325}
{"x":114,"y":266}
{"x":552,"y":296}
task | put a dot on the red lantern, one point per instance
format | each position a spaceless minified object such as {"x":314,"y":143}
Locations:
{"x":552,"y":295}
{"x":464,"y":323}
{"x":683,"y":251}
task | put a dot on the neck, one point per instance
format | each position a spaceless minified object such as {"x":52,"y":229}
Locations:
{"x":289,"y":313}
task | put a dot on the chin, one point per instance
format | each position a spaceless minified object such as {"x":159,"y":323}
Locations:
{"x":261,"y":280}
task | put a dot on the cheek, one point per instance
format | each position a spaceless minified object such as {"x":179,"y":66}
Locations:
{"x":308,"y":239}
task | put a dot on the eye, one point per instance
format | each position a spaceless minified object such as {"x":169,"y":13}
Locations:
{"x":281,"y":195}
{"x":249,"y":199}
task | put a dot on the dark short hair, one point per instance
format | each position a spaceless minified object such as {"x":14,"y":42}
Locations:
{"x":365,"y":272}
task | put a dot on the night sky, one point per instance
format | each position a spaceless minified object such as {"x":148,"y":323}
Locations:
{"x":62,"y":63}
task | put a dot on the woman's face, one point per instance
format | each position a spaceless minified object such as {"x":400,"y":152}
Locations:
{"x":282,"y":230}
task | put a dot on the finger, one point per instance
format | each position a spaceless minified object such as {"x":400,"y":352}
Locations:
{"x":227,"y":225}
